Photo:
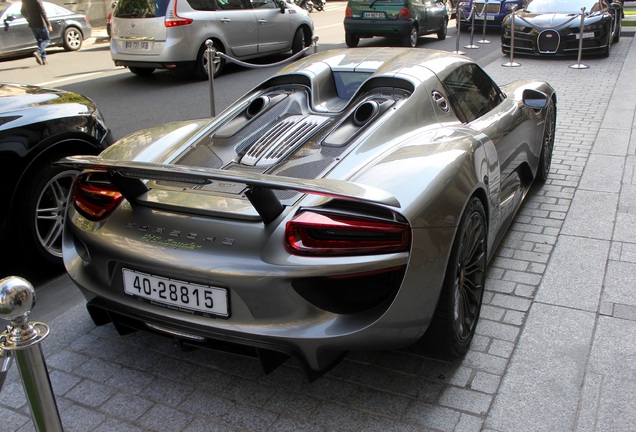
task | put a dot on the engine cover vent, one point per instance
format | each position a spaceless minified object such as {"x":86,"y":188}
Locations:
{"x":282,"y":139}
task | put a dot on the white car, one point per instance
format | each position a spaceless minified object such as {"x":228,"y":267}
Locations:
{"x":171,"y":34}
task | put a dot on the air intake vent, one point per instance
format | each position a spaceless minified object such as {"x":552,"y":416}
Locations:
{"x":282,"y":139}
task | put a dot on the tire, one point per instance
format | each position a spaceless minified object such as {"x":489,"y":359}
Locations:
{"x":141,"y":71}
{"x":547,"y":145}
{"x":441,"y":33}
{"x":298,"y":44}
{"x":453,"y":325}
{"x":617,"y":35}
{"x":608,"y":49}
{"x":72,"y":39}
{"x":411,"y":39}
{"x":200,"y":70}
{"x":351,"y":40}
{"x":41,"y":212}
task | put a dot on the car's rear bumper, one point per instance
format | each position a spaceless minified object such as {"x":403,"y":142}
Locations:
{"x":369,"y":28}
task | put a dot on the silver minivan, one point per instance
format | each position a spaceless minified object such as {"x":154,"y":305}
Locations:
{"x":171,"y":34}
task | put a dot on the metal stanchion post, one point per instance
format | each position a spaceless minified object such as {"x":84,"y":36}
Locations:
{"x":314,"y":42}
{"x":471,"y":45}
{"x":458,"y":26}
{"x":512,"y":62}
{"x":21,"y":340}
{"x":580,"y":65}
{"x":212,"y":59}
{"x":483,"y":36}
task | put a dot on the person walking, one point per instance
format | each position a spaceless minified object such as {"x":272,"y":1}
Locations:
{"x":33,"y":11}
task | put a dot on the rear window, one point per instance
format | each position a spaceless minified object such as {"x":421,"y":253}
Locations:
{"x":141,"y":8}
{"x":347,"y":83}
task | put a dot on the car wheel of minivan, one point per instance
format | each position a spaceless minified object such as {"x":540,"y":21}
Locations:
{"x":351,"y":40}
{"x":141,"y":71}
{"x":201,"y":68}
{"x":411,"y":39}
{"x":72,"y":39}
{"x":441,"y":33}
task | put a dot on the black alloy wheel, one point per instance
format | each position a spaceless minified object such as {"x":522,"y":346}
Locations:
{"x":547,"y":145}
{"x":453,"y":325}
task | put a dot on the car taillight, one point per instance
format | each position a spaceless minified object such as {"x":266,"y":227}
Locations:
{"x":174,"y":20}
{"x":404,"y":13}
{"x":95,"y":201}
{"x":348,"y":13}
{"x":312,"y":233}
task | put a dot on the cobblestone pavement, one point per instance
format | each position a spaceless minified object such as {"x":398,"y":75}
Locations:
{"x":555,"y":349}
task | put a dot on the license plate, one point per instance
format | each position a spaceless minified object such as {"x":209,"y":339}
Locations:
{"x":140,"y":45}
{"x":488,"y":17}
{"x":374,"y":15}
{"x":175,"y":294}
{"x":585,"y":35}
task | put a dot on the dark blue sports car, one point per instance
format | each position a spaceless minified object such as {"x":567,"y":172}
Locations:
{"x":493,"y":11}
{"x":549,"y":27}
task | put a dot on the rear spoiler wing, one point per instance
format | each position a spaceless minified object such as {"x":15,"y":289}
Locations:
{"x":128,"y":175}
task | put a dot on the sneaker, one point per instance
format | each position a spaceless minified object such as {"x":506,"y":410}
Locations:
{"x":38,"y":57}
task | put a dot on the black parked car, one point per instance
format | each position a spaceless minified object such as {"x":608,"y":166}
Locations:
{"x":70,"y":29}
{"x":37,"y":127}
{"x":549,"y":28}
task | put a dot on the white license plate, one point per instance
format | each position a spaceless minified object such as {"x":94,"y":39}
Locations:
{"x":585,"y":35}
{"x":488,"y":17}
{"x":374,"y":15}
{"x":175,"y":294}
{"x":139,"y":45}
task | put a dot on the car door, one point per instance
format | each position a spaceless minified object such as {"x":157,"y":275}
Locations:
{"x":274,"y":28}
{"x":237,"y":22}
{"x":17,"y":34}
{"x":428,"y":14}
{"x":435,"y":12}
{"x":479,"y":103}
{"x":56,"y":19}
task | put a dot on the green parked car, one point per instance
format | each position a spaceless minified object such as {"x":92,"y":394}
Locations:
{"x":404,"y":19}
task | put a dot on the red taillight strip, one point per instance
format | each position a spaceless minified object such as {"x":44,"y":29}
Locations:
{"x":312,"y":233}
{"x":95,"y":202}
{"x":173,"y":19}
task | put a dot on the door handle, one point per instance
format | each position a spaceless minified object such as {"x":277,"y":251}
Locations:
{"x":225,"y":20}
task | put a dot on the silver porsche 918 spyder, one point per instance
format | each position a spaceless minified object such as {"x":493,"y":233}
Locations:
{"x":350,"y":202}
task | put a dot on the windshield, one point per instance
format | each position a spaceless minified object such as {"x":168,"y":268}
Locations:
{"x":562,"y":6}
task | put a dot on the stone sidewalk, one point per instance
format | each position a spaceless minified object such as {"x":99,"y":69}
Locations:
{"x":555,"y":349}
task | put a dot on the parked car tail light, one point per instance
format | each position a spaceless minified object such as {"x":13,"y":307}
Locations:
{"x":95,"y":200}
{"x":174,"y":20}
{"x":404,"y":13}
{"x":348,"y":13}
{"x":312,"y":233}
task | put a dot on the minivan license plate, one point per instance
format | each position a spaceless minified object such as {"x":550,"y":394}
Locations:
{"x":142,"y":45}
{"x":175,"y":294}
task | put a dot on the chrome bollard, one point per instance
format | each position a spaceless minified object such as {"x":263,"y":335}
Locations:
{"x":314,"y":42}
{"x":458,"y":26}
{"x":483,"y":36}
{"x":21,"y":340}
{"x":578,"y":64}
{"x":512,"y":62}
{"x":212,"y":59}
{"x":473,"y":12}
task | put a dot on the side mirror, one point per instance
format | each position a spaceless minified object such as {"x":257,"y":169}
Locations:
{"x":535,"y":99}
{"x":615,"y":6}
{"x":281,"y":5}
